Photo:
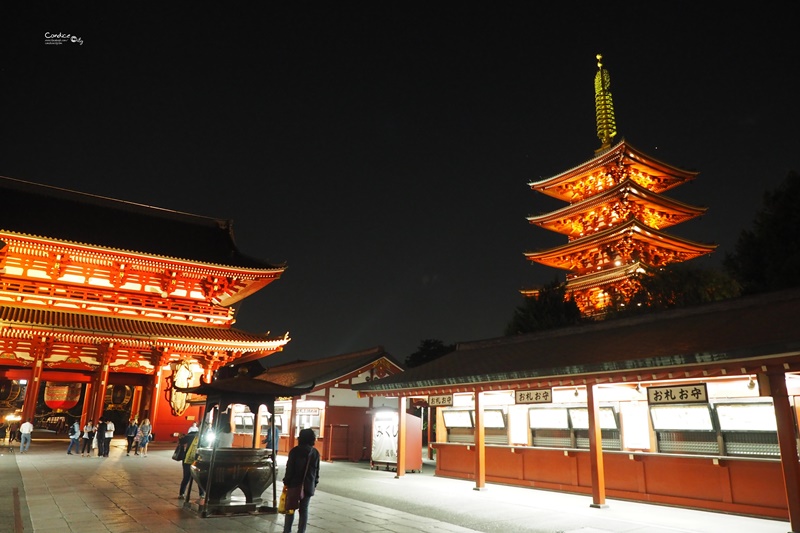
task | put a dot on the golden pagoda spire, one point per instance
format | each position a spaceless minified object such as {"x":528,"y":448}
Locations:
{"x":604,"y":106}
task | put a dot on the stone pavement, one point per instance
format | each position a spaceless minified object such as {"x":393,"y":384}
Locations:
{"x":46,"y":490}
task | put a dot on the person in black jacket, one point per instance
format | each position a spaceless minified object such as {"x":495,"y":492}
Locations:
{"x":301,"y":456}
{"x":100,"y":435}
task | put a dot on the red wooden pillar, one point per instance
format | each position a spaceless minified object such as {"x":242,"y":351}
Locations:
{"x":156,"y":395}
{"x":34,"y":385}
{"x":292,"y":440}
{"x":596,"y":450}
{"x":88,"y":403}
{"x":100,"y":382}
{"x":480,"y":445}
{"x":401,"y":437}
{"x":786,"y":443}
{"x":430,"y":411}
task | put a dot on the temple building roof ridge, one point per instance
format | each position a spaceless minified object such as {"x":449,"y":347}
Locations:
{"x":711,"y":336}
{"x":65,"y":323}
{"x":98,"y":221}
{"x":326,"y":370}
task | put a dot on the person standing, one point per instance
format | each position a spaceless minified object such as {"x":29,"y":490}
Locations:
{"x":25,"y":431}
{"x":145,"y":433}
{"x":189,"y":444}
{"x":302,"y":468}
{"x":273,"y":438}
{"x":109,"y":435}
{"x":100,"y":437}
{"x":130,"y":433}
{"x":74,"y":437}
{"x":88,"y":437}
{"x":3,"y":430}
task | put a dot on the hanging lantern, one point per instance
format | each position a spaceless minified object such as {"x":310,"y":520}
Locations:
{"x":62,"y":396}
{"x":118,"y":397}
{"x":9,"y":392}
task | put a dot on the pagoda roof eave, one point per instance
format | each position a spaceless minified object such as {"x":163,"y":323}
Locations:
{"x":641,"y":194}
{"x":604,"y":277}
{"x":635,"y":228}
{"x":618,"y":151}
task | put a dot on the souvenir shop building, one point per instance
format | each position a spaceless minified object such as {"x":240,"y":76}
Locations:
{"x":695,"y":407}
{"x":105,"y":305}
{"x":343,"y":421}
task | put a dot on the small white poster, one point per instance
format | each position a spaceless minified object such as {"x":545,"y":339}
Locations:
{"x":384,"y":438}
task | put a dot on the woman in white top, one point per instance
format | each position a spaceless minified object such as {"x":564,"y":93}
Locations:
{"x":109,"y":435}
{"x":145,"y":435}
{"x":88,"y":436}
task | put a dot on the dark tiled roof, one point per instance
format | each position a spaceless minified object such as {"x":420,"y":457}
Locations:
{"x":732,"y":330}
{"x":44,"y":211}
{"x":322,"y":371}
{"x":91,"y":325}
{"x":245,"y":385}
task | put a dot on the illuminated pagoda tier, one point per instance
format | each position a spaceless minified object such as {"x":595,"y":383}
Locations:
{"x":616,"y":217}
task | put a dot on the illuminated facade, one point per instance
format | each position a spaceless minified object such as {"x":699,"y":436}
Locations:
{"x":118,"y":301}
{"x":616,"y":217}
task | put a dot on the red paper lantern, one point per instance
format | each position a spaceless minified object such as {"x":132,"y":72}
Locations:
{"x":62,"y":396}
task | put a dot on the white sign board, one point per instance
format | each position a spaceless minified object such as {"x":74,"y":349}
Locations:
{"x":696,"y":393}
{"x":445,"y":400}
{"x":384,"y":437}
{"x":534,"y":396}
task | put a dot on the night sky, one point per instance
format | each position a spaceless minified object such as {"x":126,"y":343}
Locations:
{"x":383,"y":150}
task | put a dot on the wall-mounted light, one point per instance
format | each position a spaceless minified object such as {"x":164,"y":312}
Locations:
{"x":576,"y":392}
{"x":751,"y":384}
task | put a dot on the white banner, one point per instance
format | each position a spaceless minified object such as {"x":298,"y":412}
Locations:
{"x":384,"y":438}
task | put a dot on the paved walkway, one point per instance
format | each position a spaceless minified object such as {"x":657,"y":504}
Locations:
{"x":46,"y":490}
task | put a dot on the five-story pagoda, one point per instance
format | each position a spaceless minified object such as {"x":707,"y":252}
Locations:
{"x":616,"y":216}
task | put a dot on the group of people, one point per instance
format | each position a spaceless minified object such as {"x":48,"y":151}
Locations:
{"x":98,"y":437}
{"x":11,"y":431}
{"x":302,"y":468}
{"x":302,"y":464}
{"x":138,"y":436}
{"x":93,"y":437}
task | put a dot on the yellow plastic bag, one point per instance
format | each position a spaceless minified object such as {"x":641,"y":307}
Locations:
{"x":282,"y":503}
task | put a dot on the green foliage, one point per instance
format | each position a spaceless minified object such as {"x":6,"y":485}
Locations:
{"x":547,"y":310}
{"x":428,"y":350}
{"x":680,"y":286}
{"x":767,"y":257}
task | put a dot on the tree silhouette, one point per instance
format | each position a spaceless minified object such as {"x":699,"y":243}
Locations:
{"x":547,"y":310}
{"x":679,"y":286}
{"x":767,"y":257}
{"x":428,"y":350}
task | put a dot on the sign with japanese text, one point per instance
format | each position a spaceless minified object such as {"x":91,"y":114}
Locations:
{"x":696,"y":393}
{"x":445,"y":400}
{"x":384,"y":437}
{"x":534,"y":396}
